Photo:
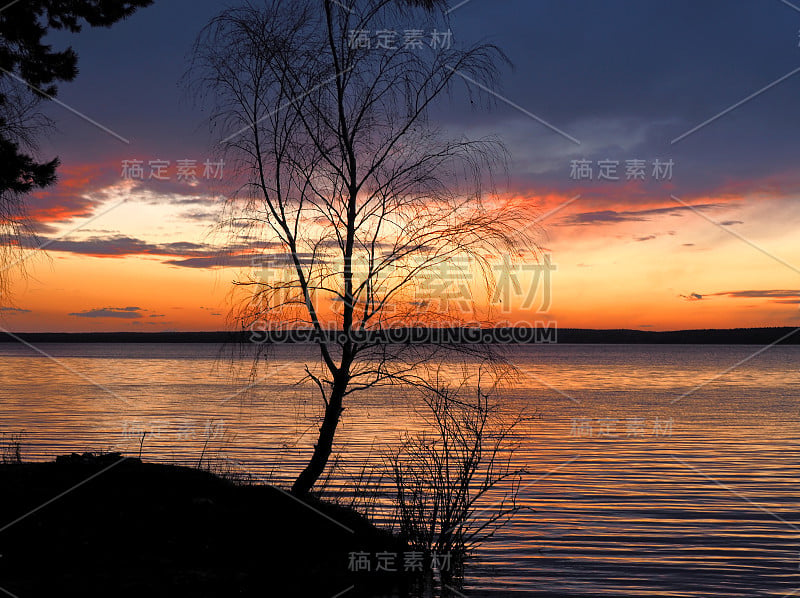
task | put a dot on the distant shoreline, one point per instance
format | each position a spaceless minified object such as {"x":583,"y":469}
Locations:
{"x":564,"y":336}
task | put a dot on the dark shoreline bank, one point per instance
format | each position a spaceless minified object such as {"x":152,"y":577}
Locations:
{"x":120,"y":527}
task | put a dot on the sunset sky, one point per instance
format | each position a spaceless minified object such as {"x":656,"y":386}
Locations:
{"x":714,"y":245}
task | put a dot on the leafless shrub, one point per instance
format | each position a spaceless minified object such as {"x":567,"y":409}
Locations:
{"x":456,"y":486}
{"x":11,"y":447}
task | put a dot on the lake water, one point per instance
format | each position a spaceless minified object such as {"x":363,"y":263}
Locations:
{"x":652,"y":472}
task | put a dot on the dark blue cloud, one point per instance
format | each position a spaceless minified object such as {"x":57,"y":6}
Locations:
{"x":124,"y":313}
{"x":216,"y":261}
{"x":116,"y":246}
{"x":782,"y":296}
{"x":693,"y":297}
{"x":626,"y":78}
{"x":613,"y":216}
{"x":778,"y":294}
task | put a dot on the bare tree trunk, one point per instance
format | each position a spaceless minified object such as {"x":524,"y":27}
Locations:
{"x":322,"y":449}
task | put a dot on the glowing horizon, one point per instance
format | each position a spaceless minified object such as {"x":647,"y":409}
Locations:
{"x":650,"y":265}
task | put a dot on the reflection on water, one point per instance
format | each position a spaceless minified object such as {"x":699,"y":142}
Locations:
{"x":635,"y":490}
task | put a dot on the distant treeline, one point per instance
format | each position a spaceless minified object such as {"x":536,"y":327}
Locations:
{"x":551,"y":335}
